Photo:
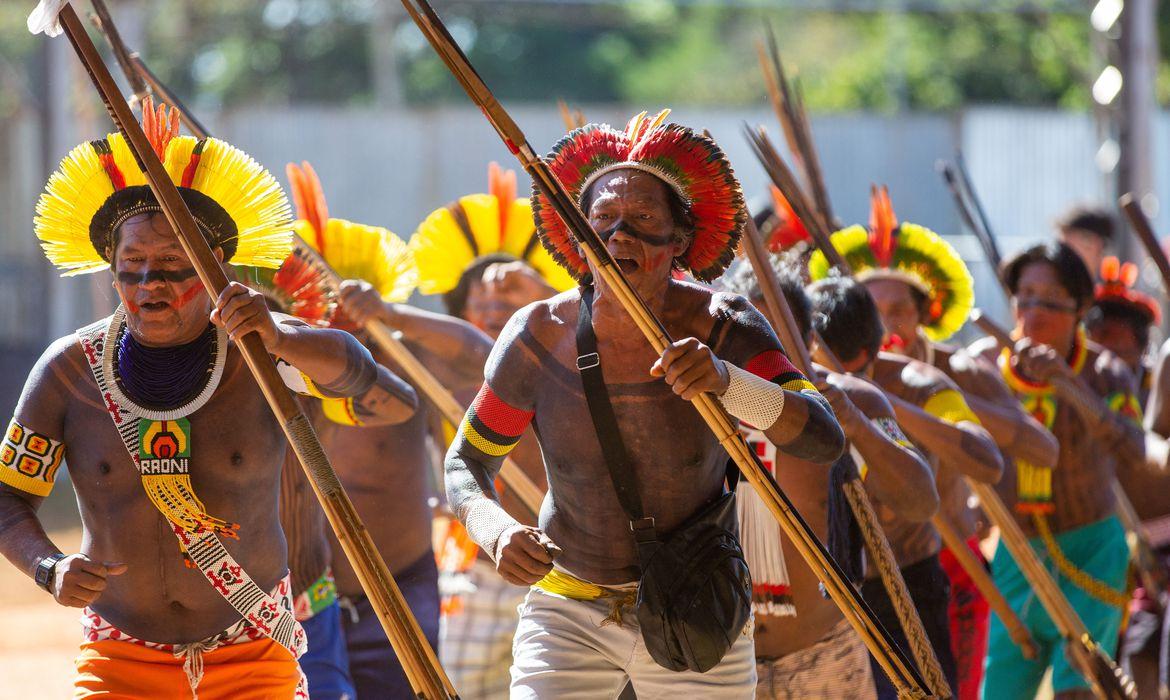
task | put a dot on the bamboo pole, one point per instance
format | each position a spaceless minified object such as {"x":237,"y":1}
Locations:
{"x":425,"y":674}
{"x":876,"y":543}
{"x":529,"y":494}
{"x":903,"y":676}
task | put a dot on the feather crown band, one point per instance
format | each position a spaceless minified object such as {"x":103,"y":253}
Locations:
{"x":690,"y":164}
{"x":237,"y":204}
{"x":909,"y":253}
{"x":328,"y":248}
{"x":453,"y":237}
{"x":1117,"y":282}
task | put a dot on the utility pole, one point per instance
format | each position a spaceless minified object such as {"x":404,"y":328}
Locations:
{"x":1138,"y":64}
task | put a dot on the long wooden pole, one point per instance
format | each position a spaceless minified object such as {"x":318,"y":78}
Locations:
{"x":1095,"y":665}
{"x":901,"y":672}
{"x":529,"y":494}
{"x":880,"y":551}
{"x":1145,"y":233}
{"x":423,"y":670}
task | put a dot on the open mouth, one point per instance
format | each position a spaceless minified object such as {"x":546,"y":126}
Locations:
{"x":155,"y":305}
{"x":627,"y":265}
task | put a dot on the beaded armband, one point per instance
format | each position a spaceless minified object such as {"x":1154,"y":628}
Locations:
{"x":29,"y":460}
{"x":491,"y":425}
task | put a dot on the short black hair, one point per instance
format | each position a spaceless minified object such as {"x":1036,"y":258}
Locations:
{"x":846,"y":317}
{"x":1095,"y":220}
{"x":742,"y":280}
{"x":1070,"y":270}
{"x":1138,"y":319}
{"x":456,"y":299}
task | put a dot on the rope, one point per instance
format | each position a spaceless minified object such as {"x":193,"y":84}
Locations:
{"x":895,"y":585}
{"x":1083,"y":580}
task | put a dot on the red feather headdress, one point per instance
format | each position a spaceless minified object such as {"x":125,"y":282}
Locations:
{"x":691,"y":164}
{"x":1117,"y":281}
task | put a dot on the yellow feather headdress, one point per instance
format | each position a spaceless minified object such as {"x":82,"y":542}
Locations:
{"x":238,"y":205}
{"x":354,"y":251}
{"x":912,"y":254}
{"x":453,"y":237}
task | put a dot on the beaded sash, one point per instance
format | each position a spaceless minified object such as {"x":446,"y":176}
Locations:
{"x":198,"y":537}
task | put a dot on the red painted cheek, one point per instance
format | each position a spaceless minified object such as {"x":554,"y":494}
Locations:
{"x":188,"y":296}
{"x":131,"y":306}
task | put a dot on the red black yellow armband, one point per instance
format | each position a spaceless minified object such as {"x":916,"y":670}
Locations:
{"x":491,"y":425}
{"x":774,"y":366}
{"x":29,"y":460}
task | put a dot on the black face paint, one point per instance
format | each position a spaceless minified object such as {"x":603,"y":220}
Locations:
{"x":172,"y":276}
{"x":657,"y":241}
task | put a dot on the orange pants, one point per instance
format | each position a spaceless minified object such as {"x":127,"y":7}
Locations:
{"x":114,"y":670}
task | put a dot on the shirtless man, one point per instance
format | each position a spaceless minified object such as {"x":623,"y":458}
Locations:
{"x":649,"y":224}
{"x":385,"y":468}
{"x":810,"y":652}
{"x":924,"y":295}
{"x":1069,"y":511}
{"x":931,"y":410}
{"x":1120,"y":320}
{"x":155,"y":573}
{"x":480,"y":253}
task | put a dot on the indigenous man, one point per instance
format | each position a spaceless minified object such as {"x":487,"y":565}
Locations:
{"x":482,"y":254}
{"x":1069,"y":510}
{"x":661,"y":196}
{"x":931,"y":409}
{"x":805,"y":650}
{"x":1088,"y":231}
{"x":212,"y":610}
{"x":386,"y":464}
{"x":924,"y":293}
{"x":1120,"y":320}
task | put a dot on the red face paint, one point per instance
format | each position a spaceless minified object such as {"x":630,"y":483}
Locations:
{"x":187,"y":296}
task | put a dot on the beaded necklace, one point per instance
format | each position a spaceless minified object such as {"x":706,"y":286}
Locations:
{"x":162,"y":378}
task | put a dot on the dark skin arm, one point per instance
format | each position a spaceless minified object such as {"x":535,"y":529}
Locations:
{"x":1126,"y":438}
{"x":1157,"y":415}
{"x":897,"y":475}
{"x":806,"y":429}
{"x":78,"y":581}
{"x":338,"y":364}
{"x":963,"y":446}
{"x":1016,"y":432}
{"x":451,"y":348}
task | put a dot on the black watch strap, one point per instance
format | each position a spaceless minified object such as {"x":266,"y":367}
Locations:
{"x":44,"y":572}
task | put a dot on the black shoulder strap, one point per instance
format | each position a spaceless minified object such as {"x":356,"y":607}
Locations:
{"x":613,"y":448}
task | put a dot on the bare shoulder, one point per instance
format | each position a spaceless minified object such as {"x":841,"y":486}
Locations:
{"x":738,"y":331}
{"x":914,"y":375}
{"x":60,"y":375}
{"x":526,"y":342}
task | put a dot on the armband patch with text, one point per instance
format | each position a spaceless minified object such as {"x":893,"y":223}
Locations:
{"x":29,"y":460}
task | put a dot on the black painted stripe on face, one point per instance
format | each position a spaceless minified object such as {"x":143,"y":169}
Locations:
{"x":657,"y":241}
{"x":171,"y":276}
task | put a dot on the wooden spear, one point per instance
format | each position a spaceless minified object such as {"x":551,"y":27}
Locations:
{"x":529,"y":494}
{"x":871,"y":530}
{"x":421,"y":665}
{"x":1145,"y":233}
{"x":904,"y":677}
{"x":1095,"y":665}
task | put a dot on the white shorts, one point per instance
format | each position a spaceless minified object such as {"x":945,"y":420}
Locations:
{"x":562,"y":651}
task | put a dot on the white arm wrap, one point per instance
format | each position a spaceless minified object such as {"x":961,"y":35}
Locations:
{"x":485,"y":521}
{"x":753,"y":400}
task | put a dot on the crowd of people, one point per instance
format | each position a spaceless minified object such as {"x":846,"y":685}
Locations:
{"x":252,"y":595}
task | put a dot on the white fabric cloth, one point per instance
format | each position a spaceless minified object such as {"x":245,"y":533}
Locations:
{"x":562,"y":651}
{"x":44,"y":17}
{"x":476,"y":640}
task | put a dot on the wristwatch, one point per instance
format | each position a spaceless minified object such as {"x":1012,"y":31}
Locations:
{"x":44,"y":571}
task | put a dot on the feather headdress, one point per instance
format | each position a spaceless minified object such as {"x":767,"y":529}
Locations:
{"x":1116,"y":288}
{"x":690,"y":164}
{"x":453,"y":237}
{"x":785,"y":229}
{"x":353,"y":251}
{"x":237,"y":204}
{"x":912,"y":254}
